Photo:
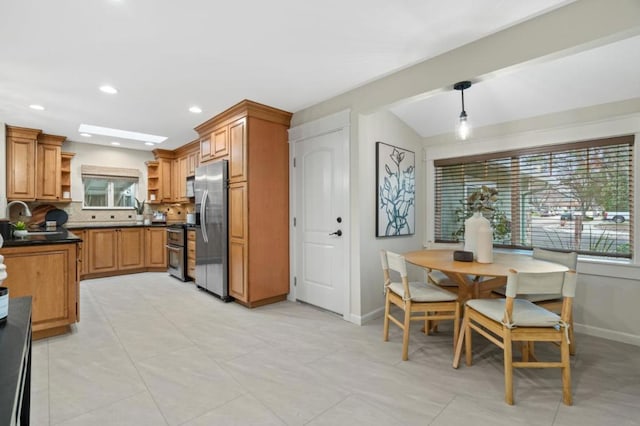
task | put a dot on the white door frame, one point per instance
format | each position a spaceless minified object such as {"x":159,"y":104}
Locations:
{"x":334,"y":123}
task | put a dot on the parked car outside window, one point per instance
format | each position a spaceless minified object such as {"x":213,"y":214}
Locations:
{"x":617,"y":217}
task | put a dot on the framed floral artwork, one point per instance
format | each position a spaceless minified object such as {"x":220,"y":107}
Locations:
{"x":395,"y":191}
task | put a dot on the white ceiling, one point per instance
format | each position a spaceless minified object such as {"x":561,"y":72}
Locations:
{"x":164,"y":56}
{"x":606,"y":74}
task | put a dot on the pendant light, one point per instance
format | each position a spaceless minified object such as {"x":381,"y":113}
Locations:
{"x":463,"y":130}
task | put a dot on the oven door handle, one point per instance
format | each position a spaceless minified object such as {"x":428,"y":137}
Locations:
{"x":173,"y":248}
{"x":203,"y":216}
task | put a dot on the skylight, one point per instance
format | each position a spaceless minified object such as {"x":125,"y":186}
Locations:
{"x":122,"y":134}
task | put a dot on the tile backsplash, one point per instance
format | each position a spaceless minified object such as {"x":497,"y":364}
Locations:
{"x":79,"y":216}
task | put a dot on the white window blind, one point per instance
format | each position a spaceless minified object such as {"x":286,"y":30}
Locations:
{"x":558,"y":197}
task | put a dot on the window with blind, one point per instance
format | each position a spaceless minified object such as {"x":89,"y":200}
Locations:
{"x":109,"y":187}
{"x":576,"y":196}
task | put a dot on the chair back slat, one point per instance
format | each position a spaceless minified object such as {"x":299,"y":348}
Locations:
{"x":539,"y":283}
{"x":570,"y":281}
{"x":383,"y":260}
{"x":570,"y":260}
{"x":397,"y":263}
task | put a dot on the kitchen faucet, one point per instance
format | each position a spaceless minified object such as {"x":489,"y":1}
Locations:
{"x":27,"y":212}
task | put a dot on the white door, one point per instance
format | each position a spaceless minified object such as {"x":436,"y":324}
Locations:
{"x":321,"y":214}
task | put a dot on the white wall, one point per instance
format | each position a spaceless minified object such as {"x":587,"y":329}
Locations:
{"x":578,"y":26}
{"x":383,"y":127}
{"x":98,"y":155}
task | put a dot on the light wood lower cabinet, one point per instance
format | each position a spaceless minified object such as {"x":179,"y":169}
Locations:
{"x":83,"y":265}
{"x":155,"y":250}
{"x":114,"y":250}
{"x":47,"y":273}
{"x":191,"y":253}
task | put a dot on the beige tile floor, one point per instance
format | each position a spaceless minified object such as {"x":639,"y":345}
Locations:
{"x":151,"y":350}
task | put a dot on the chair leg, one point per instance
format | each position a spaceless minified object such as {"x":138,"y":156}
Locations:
{"x":566,"y":371}
{"x":508,"y":367}
{"x":459,"y":343}
{"x":387,"y":309}
{"x":405,"y":335}
{"x":572,"y":339}
{"x":467,"y":341}
{"x":456,"y":326}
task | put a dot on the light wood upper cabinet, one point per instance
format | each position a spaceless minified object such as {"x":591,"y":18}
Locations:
{"x":206,"y":151}
{"x":238,"y":151}
{"x":165,"y":170}
{"x":193,"y":163}
{"x":35,"y":166}
{"x":220,"y":142}
{"x":153,"y":182}
{"x":21,"y":163}
{"x":182,"y":165}
{"x":48,"y":172}
{"x":65,"y":176}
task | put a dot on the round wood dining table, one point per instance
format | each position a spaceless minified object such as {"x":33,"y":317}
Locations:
{"x":475,"y":279}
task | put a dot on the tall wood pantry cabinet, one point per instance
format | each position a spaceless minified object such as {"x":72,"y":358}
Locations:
{"x":253,"y":138}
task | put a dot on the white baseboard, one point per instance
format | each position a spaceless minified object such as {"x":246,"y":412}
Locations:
{"x":357,"y":319}
{"x":617,"y":336}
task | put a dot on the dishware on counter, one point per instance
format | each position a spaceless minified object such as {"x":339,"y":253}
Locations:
{"x":191,"y":218}
{"x":38,"y":215}
{"x":58,"y":216}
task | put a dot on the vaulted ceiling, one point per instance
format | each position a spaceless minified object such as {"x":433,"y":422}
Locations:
{"x":164,"y":57}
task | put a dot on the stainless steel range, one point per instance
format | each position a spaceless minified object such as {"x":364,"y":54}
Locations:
{"x":177,"y":251}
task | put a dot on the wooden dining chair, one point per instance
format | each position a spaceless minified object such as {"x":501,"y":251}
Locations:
{"x":552,"y":302}
{"x":503,"y":321}
{"x":414,"y":297}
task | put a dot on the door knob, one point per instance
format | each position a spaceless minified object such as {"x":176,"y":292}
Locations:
{"x":338,"y":233}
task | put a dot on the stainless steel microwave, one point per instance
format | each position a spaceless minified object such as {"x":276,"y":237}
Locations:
{"x":191,"y":180}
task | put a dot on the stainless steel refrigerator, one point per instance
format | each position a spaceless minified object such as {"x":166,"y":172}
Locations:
{"x":211,"y":184}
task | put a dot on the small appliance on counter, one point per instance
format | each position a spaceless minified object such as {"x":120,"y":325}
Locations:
{"x":191,"y":218}
{"x":159,"y":217}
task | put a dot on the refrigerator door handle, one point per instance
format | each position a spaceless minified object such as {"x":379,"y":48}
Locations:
{"x":203,"y":216}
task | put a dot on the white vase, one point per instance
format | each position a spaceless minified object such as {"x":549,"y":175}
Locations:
{"x":472,"y":228}
{"x":484,"y":245}
{"x":139,"y":219}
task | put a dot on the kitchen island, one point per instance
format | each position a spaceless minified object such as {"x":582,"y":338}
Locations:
{"x":45,"y":267}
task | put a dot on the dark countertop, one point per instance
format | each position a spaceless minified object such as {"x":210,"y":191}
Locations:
{"x":114,"y":225}
{"x":62,"y":236}
{"x":15,"y":340}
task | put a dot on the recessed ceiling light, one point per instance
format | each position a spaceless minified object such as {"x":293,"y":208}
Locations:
{"x":149,"y":143}
{"x":37,"y":107}
{"x":115,"y":143}
{"x":86,"y":135}
{"x":121,"y":134}
{"x":195,"y":109}
{"x":109,"y":89}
